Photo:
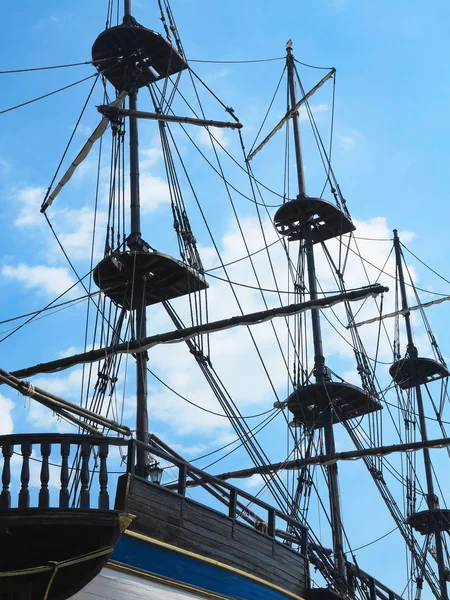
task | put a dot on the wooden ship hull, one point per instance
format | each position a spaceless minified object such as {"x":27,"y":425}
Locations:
{"x":154,"y":542}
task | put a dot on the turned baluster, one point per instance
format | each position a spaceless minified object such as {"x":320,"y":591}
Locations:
{"x":24,"y":494}
{"x":44,"y":494}
{"x":84,"y":475}
{"x":5,"y":496}
{"x":64,"y":491}
{"x":103,"y":497}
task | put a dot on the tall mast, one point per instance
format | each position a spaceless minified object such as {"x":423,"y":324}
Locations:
{"x":413,"y":355}
{"x":320,"y":370}
{"x":135,"y":244}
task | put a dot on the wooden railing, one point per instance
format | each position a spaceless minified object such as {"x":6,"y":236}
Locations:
{"x":260,"y":516}
{"x":79,"y":466}
{"x":81,"y":459}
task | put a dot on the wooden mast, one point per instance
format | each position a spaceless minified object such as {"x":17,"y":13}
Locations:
{"x":320,"y":370}
{"x":136,"y":244}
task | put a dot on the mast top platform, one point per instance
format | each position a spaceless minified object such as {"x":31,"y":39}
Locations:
{"x":163,"y":278}
{"x":130,"y":55}
{"x":430,"y":520}
{"x":314,"y":405}
{"x":327,"y":220}
{"x":408,"y":372}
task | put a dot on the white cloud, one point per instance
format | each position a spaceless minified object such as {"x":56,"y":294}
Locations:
{"x":154,"y":192}
{"x":346,"y":142}
{"x":204,"y":137}
{"x":48,"y":280}
{"x":76,"y":227}
{"x":315,"y":109}
{"x":150,"y":157}
{"x":6,"y":420}
{"x":70,"y":351}
{"x":4,"y":166}
{"x":31,"y":199}
{"x":255,"y":481}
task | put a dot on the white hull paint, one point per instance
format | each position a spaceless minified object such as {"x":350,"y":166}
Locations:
{"x":111,"y":584}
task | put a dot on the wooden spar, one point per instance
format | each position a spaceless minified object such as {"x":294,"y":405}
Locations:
{"x":60,"y":406}
{"x":112,"y":112}
{"x":323,"y":459}
{"x":181,"y":335}
{"x":290,"y":113}
{"x":399,"y":312}
{"x":82,"y":155}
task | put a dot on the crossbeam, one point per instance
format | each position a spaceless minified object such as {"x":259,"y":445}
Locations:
{"x":290,"y":113}
{"x":181,"y":335}
{"x":323,"y":459}
{"x":112,"y":112}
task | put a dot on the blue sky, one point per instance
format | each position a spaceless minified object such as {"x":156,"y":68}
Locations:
{"x":390,"y":154}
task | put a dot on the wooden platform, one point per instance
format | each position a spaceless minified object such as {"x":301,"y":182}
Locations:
{"x":409,"y":372}
{"x":121,"y":52}
{"x":326,"y":220}
{"x":163,"y":276}
{"x":313,"y":405}
{"x":427,"y":521}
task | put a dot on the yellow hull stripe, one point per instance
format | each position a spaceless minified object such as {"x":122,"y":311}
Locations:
{"x":211,"y":561}
{"x":164,"y":580}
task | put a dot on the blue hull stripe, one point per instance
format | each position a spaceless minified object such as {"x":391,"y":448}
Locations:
{"x":168,"y":563}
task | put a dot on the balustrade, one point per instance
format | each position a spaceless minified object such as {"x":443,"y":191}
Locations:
{"x":77,"y":465}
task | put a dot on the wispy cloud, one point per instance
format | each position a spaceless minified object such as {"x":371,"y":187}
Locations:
{"x":6,"y":422}
{"x":347,"y":142}
{"x":218,"y":135}
{"x":47,"y":280}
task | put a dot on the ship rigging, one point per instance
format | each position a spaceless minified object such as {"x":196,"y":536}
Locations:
{"x":140,"y":277}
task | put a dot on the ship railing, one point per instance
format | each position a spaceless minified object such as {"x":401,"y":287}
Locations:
{"x":237,"y":504}
{"x":73,"y":471}
{"x":65,"y":471}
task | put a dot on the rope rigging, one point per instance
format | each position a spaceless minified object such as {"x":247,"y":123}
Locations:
{"x":108,"y":323}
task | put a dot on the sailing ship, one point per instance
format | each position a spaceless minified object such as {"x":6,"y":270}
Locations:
{"x":101,"y":508}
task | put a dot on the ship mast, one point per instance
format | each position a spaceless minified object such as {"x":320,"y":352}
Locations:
{"x":320,"y":370}
{"x":413,"y":361}
{"x":135,"y":244}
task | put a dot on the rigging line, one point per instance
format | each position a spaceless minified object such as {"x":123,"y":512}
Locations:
{"x":268,"y":109}
{"x":424,"y":264}
{"x":369,"y":239}
{"x":229,"y":156}
{"x":382,"y":271}
{"x":220,"y":258}
{"x":330,"y":148}
{"x":28,"y":70}
{"x":97,"y":186}
{"x":393,"y":276}
{"x":277,"y":485}
{"x":228,"y":109}
{"x":273,"y":291}
{"x":251,"y":434}
{"x":71,"y":138}
{"x":206,"y":409}
{"x":236,"y":62}
{"x":313,"y":66}
{"x":233,"y":262}
{"x":66,"y":87}
{"x":47,"y":68}
{"x":48,"y":307}
{"x":235,"y":189}
{"x":247,"y":250}
{"x":56,"y":311}
{"x":80,"y":280}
